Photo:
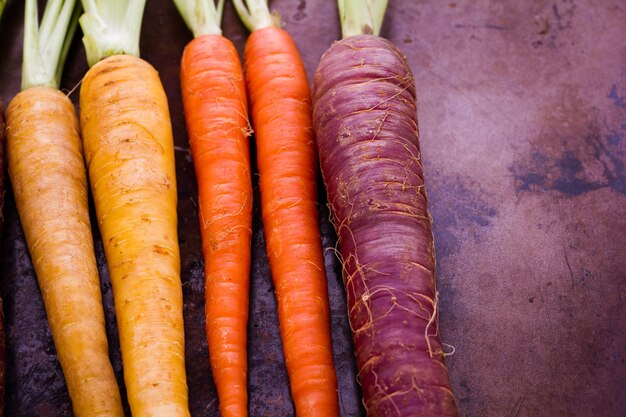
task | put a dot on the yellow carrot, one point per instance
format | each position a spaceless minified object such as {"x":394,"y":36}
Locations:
{"x":129,"y":149}
{"x":47,"y":172}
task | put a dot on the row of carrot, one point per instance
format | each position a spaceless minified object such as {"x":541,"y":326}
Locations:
{"x":361,"y":122}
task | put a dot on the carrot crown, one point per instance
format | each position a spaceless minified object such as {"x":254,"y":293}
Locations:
{"x":255,"y":14}
{"x":360,"y":17}
{"x":46,"y":46}
{"x":202,"y":17}
{"x":111,"y":27}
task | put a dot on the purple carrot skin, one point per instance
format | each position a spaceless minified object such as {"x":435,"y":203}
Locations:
{"x":367,"y":135}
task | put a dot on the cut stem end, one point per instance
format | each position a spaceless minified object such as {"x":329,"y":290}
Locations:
{"x":361,"y":17}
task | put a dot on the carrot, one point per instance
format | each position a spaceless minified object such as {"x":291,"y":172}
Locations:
{"x":49,"y":181}
{"x":214,"y":99}
{"x":281,"y":114}
{"x":129,"y":150}
{"x":366,"y":125}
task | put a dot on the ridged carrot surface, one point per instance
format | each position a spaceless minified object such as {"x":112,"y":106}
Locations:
{"x":129,"y":150}
{"x":281,"y":113}
{"x":365,"y":118}
{"x":47,"y":172}
{"x":215,"y":104}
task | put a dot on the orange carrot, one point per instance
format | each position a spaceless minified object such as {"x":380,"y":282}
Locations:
{"x":287,"y":159}
{"x":281,"y":113}
{"x":215,"y":105}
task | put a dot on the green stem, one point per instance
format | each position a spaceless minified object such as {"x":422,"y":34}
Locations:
{"x":111,"y":27}
{"x":68,"y":39}
{"x":202,"y":17}
{"x":46,"y":46}
{"x":360,"y":17}
{"x":255,"y":14}
{"x":220,"y":10}
{"x":2,"y":4}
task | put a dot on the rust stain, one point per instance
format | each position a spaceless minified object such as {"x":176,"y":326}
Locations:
{"x":577,"y":151}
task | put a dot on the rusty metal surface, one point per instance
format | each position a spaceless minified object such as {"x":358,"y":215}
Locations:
{"x":522,"y":109}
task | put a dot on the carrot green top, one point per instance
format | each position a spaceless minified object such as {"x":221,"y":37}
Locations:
{"x":46,"y":46}
{"x":202,"y":17}
{"x":361,"y":16}
{"x":255,"y":14}
{"x":111,"y":27}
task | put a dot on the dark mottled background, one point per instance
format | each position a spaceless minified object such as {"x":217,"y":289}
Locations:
{"x":522,"y":106}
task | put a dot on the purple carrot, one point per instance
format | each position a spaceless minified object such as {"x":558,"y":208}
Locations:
{"x":367,"y":135}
